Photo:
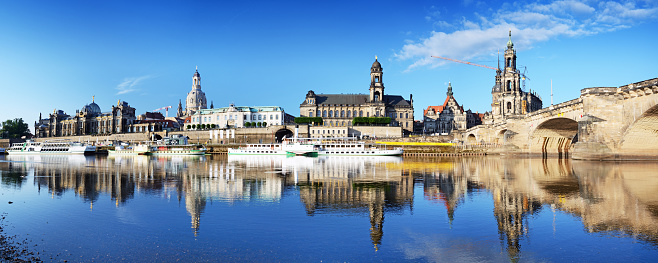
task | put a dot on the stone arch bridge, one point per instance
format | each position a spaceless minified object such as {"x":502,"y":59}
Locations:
{"x":604,"y":123}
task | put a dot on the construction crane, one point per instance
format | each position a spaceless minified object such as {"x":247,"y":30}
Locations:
{"x":523,"y":75}
{"x":166,"y":108}
{"x":465,"y":62}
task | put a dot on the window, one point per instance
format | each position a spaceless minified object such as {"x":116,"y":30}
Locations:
{"x":342,"y":113}
{"x":324,"y":113}
{"x":318,"y":113}
{"x":367,"y":114}
{"x":277,"y":116}
{"x":360,"y":113}
{"x":401,"y":114}
{"x":260,"y":117}
{"x":406,"y":115}
{"x":509,"y":85}
{"x":271,"y":117}
{"x":331,"y":113}
{"x":348,"y":113}
{"x":310,"y":114}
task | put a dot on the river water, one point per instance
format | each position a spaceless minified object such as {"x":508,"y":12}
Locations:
{"x":329,"y":209}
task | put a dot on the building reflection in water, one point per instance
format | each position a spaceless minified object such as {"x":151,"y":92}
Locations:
{"x":609,"y":198}
{"x":341,"y":185}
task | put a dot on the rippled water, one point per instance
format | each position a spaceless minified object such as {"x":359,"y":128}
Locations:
{"x":354,"y":209}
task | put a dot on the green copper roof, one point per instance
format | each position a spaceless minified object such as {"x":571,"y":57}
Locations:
{"x":509,"y":42}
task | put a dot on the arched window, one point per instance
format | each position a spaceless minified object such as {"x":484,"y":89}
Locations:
{"x":509,"y":62}
{"x":324,"y":113}
{"x":331,"y":113}
{"x":509,"y":85}
{"x":509,"y":107}
{"x":348,"y":113}
{"x":342,"y":113}
{"x":360,"y":113}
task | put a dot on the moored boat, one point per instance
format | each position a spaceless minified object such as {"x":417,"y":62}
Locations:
{"x":299,"y":147}
{"x":351,"y":147}
{"x":139,"y":149}
{"x":51,"y":147}
{"x":176,"y":145}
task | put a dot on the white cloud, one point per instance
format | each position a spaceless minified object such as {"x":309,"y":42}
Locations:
{"x":530,"y":24}
{"x":130,"y":84}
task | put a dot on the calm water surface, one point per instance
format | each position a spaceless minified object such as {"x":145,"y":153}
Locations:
{"x":347,"y":209}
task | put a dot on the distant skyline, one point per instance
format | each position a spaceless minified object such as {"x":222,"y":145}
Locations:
{"x":58,"y":55}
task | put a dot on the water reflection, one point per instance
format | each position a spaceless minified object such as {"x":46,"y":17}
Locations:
{"x":616,"y":199}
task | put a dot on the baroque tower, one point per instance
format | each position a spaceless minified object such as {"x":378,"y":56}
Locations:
{"x":376,"y":82}
{"x":196,"y":99}
{"x":507,"y":96}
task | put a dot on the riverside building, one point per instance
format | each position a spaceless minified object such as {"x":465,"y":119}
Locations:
{"x":449,"y":116}
{"x":238,"y":117}
{"x":338,"y":110}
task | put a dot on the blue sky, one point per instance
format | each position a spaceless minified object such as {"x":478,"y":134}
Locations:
{"x":58,"y":54}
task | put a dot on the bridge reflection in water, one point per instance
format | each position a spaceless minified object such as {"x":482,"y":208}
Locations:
{"x":609,"y":198}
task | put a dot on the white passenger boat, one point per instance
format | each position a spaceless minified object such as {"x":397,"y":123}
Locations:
{"x":139,"y":149}
{"x":287,"y":147}
{"x":51,"y":147}
{"x":351,"y":147}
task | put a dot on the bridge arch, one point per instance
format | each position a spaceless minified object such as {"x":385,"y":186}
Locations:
{"x":471,"y":139}
{"x":641,"y":135}
{"x":500,"y":136}
{"x":281,"y":133}
{"x":554,"y":136}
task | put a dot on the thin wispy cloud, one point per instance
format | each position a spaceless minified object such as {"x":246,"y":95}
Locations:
{"x":530,"y":24}
{"x":130,"y":84}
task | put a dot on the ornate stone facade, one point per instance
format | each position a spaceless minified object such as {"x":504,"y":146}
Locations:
{"x":87,"y":121}
{"x":508,"y":97}
{"x":449,"y":116}
{"x":338,"y":110}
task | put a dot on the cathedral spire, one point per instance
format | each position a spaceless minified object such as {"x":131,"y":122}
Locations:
{"x":510,"y":45}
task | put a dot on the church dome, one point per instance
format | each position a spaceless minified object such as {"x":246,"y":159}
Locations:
{"x":376,"y":65}
{"x":92,"y":108}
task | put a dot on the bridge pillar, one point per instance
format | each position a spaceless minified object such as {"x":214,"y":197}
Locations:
{"x":589,"y":147}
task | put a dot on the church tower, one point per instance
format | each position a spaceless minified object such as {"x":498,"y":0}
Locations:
{"x":179,"y":114}
{"x":508,"y":98}
{"x":376,"y":82}
{"x":196,"y":99}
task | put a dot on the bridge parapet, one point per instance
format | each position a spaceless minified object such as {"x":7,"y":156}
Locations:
{"x":571,"y":105}
{"x":639,"y":89}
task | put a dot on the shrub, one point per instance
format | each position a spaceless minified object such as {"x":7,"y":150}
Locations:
{"x":193,"y":126}
{"x":189,"y":126}
{"x":213,"y":126}
{"x":264,"y":124}
{"x":247,"y":124}
{"x":306,"y":120}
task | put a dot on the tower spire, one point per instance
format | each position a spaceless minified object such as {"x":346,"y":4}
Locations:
{"x":509,"y":42}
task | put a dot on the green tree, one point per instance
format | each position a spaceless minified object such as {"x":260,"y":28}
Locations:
{"x":189,"y":126}
{"x":259,"y":124}
{"x":253,"y":124}
{"x":247,"y":124}
{"x":193,"y":126}
{"x":15,"y":128}
{"x":264,"y":124}
{"x":203,"y":126}
{"x":213,"y":126}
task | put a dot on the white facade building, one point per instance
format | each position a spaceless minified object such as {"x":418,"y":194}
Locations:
{"x":237,"y":117}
